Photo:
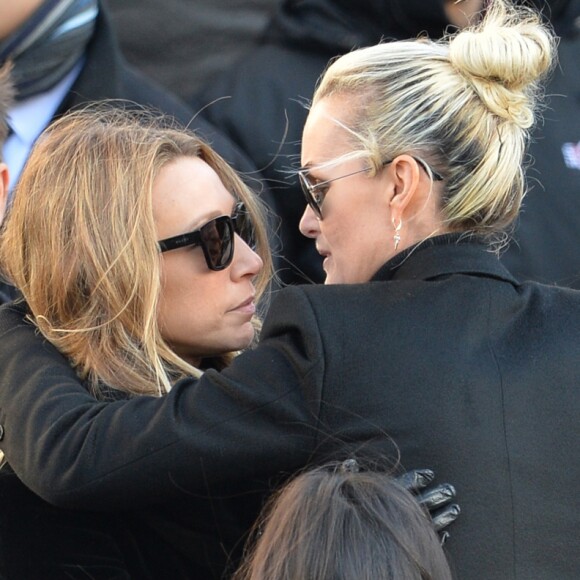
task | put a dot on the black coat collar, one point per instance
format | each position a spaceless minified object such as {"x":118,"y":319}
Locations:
{"x":442,"y":256}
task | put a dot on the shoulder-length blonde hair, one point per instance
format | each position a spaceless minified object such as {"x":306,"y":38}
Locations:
{"x":80,"y":243}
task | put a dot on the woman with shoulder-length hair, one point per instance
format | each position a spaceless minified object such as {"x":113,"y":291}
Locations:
{"x":412,"y":164}
{"x":141,"y":255}
{"x":82,"y":245}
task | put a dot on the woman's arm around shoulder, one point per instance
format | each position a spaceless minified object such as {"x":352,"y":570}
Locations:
{"x":254,"y":419}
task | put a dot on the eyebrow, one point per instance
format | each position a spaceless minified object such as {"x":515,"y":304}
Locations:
{"x":310,"y":168}
{"x":198,"y":223}
{"x":211,"y":216}
{"x":315,"y":166}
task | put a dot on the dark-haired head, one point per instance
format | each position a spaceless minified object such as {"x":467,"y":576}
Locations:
{"x":334,"y":522}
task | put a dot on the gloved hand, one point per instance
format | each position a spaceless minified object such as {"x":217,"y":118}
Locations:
{"x":437,"y":499}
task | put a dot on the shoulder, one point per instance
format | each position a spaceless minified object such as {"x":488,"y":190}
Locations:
{"x":12,"y":316}
{"x":8,"y":293}
{"x":313,"y":297}
{"x":330,"y":311}
{"x":334,"y":307}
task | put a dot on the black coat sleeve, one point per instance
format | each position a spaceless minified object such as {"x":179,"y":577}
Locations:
{"x":250,"y":422}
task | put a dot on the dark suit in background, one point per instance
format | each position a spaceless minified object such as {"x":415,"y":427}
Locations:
{"x":106,"y":75}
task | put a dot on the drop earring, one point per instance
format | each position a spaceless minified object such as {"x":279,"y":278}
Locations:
{"x":397,"y":236}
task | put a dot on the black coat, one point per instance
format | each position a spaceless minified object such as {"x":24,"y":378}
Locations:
{"x":39,"y":541}
{"x":191,"y":539}
{"x":444,"y":354}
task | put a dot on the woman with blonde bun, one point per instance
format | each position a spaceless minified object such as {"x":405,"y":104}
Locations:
{"x":420,"y":346}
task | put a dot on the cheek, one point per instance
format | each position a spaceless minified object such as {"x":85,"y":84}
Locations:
{"x":191,"y":320}
{"x":193,"y":313}
{"x":358,"y":249}
{"x":346,"y":239}
{"x":197,"y":328}
{"x":188,"y":297}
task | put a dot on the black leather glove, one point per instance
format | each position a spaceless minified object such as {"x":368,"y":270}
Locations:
{"x":437,"y":499}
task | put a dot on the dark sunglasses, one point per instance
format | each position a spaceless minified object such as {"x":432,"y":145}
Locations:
{"x":316,"y":192}
{"x":216,"y":238}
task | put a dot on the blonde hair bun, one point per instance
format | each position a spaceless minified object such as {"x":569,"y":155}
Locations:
{"x":503,"y":58}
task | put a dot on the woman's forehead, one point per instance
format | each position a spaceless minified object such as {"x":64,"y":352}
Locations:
{"x":326,"y":136}
{"x":190,"y":176}
{"x":186,"y":193}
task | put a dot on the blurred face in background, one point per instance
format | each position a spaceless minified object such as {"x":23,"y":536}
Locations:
{"x":461,"y":13}
{"x":14,"y":13}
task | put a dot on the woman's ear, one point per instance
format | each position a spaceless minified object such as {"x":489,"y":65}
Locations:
{"x":406,"y":176}
{"x":3,"y":190}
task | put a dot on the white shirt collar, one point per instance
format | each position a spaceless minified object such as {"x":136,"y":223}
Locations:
{"x":29,"y":118}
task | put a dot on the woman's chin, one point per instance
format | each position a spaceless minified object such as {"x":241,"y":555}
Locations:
{"x":246,"y":337}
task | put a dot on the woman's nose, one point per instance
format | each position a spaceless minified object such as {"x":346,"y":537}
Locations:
{"x":309,"y":223}
{"x":246,"y":261}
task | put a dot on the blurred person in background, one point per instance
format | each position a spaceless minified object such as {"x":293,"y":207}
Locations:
{"x":547,"y":235}
{"x":184,"y":45}
{"x":6,"y":100}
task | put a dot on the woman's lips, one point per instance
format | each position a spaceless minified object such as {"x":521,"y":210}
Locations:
{"x":246,"y":307}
